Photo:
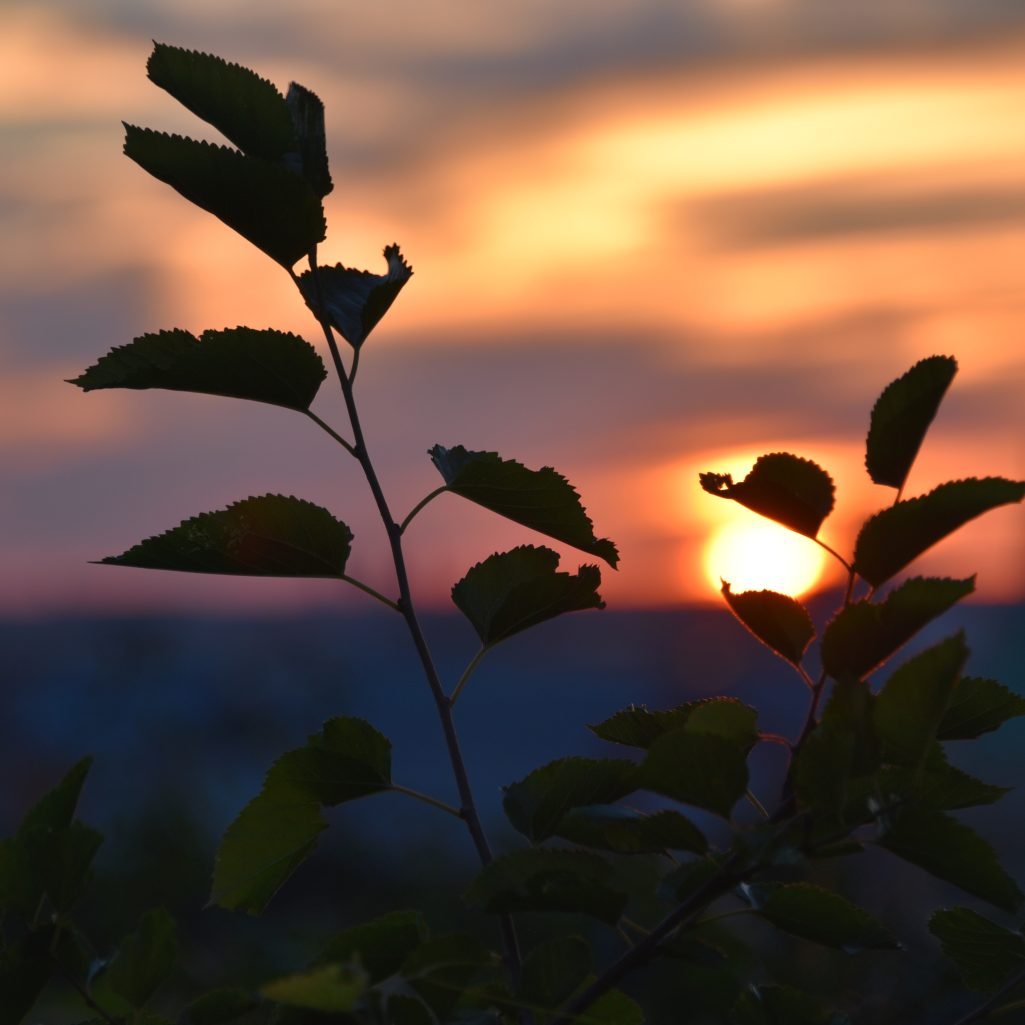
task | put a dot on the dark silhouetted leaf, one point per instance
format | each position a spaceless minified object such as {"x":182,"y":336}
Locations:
{"x":782,"y":1005}
{"x":986,"y":954}
{"x":724,"y":717}
{"x":219,"y":1006}
{"x":355,"y":300}
{"x":266,"y":366}
{"x":700,"y":769}
{"x":624,"y":831}
{"x":542,"y":879}
{"x":330,"y":987}
{"x":777,"y":620}
{"x":244,"y":107}
{"x":307,"y":113}
{"x":864,"y":635}
{"x":910,"y":707}
{"x":264,"y":202}
{"x":268,"y":536}
{"x":536,"y":804}
{"x":612,"y":1008}
{"x":62,"y":860}
{"x":687,"y":879}
{"x":542,"y":500}
{"x":381,"y":944}
{"x":278,"y":829}
{"x":25,"y":968}
{"x":793,"y":491}
{"x":441,"y":969}
{"x":554,"y":970}
{"x":57,"y":808}
{"x":978,"y":706}
{"x":893,"y":538}
{"x":950,"y":850}
{"x":512,"y":591}
{"x":142,"y":962}
{"x":817,"y":914}
{"x":935,"y":784}
{"x":902,"y":415}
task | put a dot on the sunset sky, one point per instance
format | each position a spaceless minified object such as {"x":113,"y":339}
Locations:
{"x":649,"y":239}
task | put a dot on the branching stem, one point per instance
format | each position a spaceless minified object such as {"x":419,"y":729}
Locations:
{"x":990,"y":1004}
{"x":420,"y":505}
{"x":330,"y":430}
{"x":836,"y":555}
{"x":426,"y":799}
{"x":366,"y":588}
{"x":467,"y":673}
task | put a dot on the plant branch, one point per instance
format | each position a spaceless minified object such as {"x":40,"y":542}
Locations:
{"x":330,"y":430}
{"x":420,"y":505}
{"x":367,"y":589}
{"x":82,"y":991}
{"x":990,"y":1004}
{"x":467,"y":673}
{"x":836,"y":555}
{"x":426,"y":799}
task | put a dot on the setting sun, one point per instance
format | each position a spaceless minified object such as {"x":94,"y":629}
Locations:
{"x":755,"y":556}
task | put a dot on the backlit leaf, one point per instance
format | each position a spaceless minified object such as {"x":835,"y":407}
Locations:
{"x":865,"y":634}
{"x":554,"y":970}
{"x":331,"y":987}
{"x":143,"y":961}
{"x":978,"y":706}
{"x":266,"y":366}
{"x":441,"y":969}
{"x":935,"y":784}
{"x":307,"y":113}
{"x":264,"y":202}
{"x":536,"y":804}
{"x":986,"y":954}
{"x":62,"y":860}
{"x":724,"y":717}
{"x":542,"y":500}
{"x":777,"y":620}
{"x":895,"y":537}
{"x":512,"y":591}
{"x":268,"y":536}
{"x":624,"y":831}
{"x":699,"y":769}
{"x":244,"y":107}
{"x":902,"y":415}
{"x":793,"y":491}
{"x":381,"y":944}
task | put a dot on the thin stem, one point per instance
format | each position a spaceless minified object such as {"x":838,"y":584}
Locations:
{"x":419,"y":505}
{"x":82,"y":991}
{"x":990,"y":1004}
{"x":467,"y":673}
{"x":774,"y":738}
{"x":725,"y":914}
{"x":354,"y":366}
{"x":803,"y":673}
{"x":367,"y":589}
{"x":427,"y":799}
{"x":756,"y":804}
{"x":330,"y":430}
{"x":836,"y":555}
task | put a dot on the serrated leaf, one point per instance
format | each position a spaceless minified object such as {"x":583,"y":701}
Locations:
{"x":902,"y":415}
{"x":244,"y":107}
{"x":911,"y":705}
{"x":57,"y":808}
{"x":441,"y":969}
{"x":895,"y":537}
{"x":978,"y":706}
{"x":307,"y":113}
{"x":783,"y":487}
{"x":782,"y":1005}
{"x":278,"y":829}
{"x":699,"y":769}
{"x":267,"y":536}
{"x":819,"y":915}
{"x":542,"y":500}
{"x":332,"y":987}
{"x":381,"y":944}
{"x":512,"y":591}
{"x":354,"y":301}
{"x":865,"y":634}
{"x":143,"y":961}
{"x":936,"y":784}
{"x":243,"y":363}
{"x":623,"y":831}
{"x":264,"y":202}
{"x":544,"y":879}
{"x":723,"y":717}
{"x":952,"y":851}
{"x":986,"y":954}
{"x":219,"y":1006}
{"x":537,"y":803}
{"x":612,"y":1008}
{"x":780,"y":622}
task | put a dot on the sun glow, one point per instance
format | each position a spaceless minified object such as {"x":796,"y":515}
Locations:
{"x":762,"y":556}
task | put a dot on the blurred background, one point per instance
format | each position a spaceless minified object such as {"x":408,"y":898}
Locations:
{"x":649,"y":239}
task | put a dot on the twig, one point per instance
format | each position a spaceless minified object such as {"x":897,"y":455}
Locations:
{"x":990,"y":1004}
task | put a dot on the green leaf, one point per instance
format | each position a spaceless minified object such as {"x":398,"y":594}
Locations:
{"x":986,"y":954}
{"x":268,"y":536}
{"x":264,"y":202}
{"x":612,"y":1008}
{"x":902,"y":415}
{"x":777,"y":620}
{"x":354,"y":301}
{"x":910,"y":707}
{"x":554,"y":970}
{"x":819,"y":915}
{"x":893,"y":538}
{"x":244,"y":107}
{"x":512,"y":591}
{"x":142,"y":962}
{"x":686,"y":879}
{"x":219,"y":1006}
{"x":793,"y":491}
{"x":543,"y":879}
{"x":24,"y":970}
{"x":537,"y":804}
{"x":952,"y":851}
{"x":381,"y":944}
{"x":307,"y":113}
{"x":936,"y":784}
{"x":699,"y":769}
{"x":864,"y":635}
{"x":542,"y":500}
{"x":243,"y":363}
{"x":623,"y":831}
{"x":724,"y":717}
{"x":332,"y":987}
{"x":978,"y":706}
{"x":278,"y":829}
{"x":57,"y":808}
{"x":782,"y":1005}
{"x":441,"y":969}
{"x":62,"y":860}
